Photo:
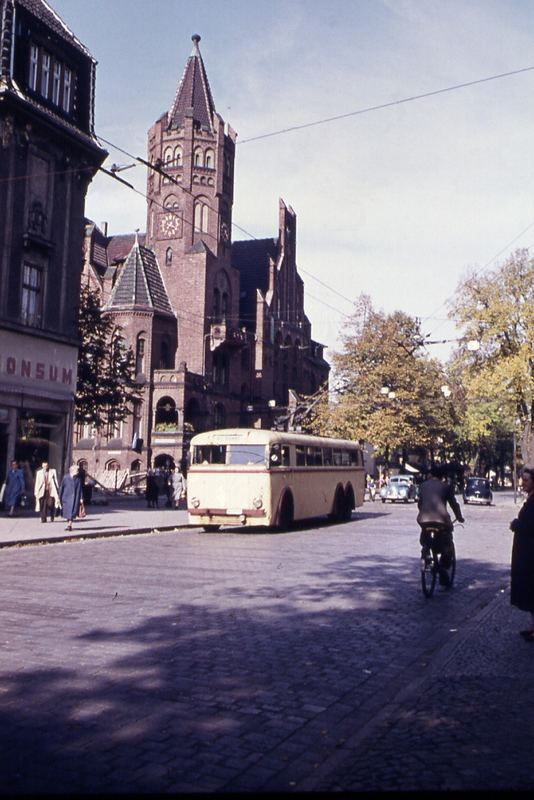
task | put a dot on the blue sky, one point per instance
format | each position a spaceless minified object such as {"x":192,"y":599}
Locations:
{"x":396,"y":203}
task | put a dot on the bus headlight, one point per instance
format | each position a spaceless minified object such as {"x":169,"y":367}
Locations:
{"x":257,"y":502}
{"x":195,"y":502}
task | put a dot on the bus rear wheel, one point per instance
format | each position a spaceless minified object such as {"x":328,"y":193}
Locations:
{"x":348,"y":505}
{"x":211,"y":528}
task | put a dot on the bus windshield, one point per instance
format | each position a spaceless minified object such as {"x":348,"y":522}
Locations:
{"x":229,"y":454}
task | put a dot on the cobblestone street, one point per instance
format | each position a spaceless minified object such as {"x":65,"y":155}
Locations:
{"x":305,"y":661}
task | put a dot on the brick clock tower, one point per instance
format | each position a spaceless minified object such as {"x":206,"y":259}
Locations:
{"x":190,"y":212}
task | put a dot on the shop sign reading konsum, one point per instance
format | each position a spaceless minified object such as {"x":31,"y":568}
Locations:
{"x":28,"y":363}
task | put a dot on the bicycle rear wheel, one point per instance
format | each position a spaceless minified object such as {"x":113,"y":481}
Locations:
{"x":451,"y":570}
{"x":429,"y":571}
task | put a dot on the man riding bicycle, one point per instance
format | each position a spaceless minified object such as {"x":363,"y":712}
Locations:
{"x":434,"y":494}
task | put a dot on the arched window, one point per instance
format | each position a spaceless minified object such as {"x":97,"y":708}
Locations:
{"x":201,"y":216}
{"x":112,"y":465}
{"x":197,"y":157}
{"x":168,"y":257}
{"x":209,"y":159}
{"x":178,"y":156}
{"x":166,"y":415}
{"x":167,"y":156}
{"x":135,"y":466}
{"x":140,"y":353}
{"x":222,"y":297}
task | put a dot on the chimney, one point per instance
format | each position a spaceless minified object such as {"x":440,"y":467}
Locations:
{"x":104,"y":228}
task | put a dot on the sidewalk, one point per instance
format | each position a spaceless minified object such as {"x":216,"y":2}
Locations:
{"x":122,"y":515}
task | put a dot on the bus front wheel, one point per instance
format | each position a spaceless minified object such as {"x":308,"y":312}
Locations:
{"x":211,"y":528}
{"x":285,"y":517}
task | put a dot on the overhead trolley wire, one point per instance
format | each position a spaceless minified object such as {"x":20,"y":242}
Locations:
{"x":381,"y":106}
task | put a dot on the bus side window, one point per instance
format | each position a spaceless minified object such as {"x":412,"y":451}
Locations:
{"x":279,"y":456}
{"x":301,"y":456}
{"x":327,"y":456}
{"x":345,"y":458}
{"x":354,"y":460}
{"x":337,"y":458}
{"x":318,"y":456}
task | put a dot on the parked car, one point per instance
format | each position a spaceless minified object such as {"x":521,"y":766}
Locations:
{"x":478,"y":490}
{"x":399,"y":489}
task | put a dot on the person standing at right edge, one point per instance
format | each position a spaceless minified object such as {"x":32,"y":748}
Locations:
{"x":522,"y":573}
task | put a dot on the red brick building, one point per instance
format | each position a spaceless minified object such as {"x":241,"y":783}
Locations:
{"x":48,"y":156}
{"x":218,"y":328}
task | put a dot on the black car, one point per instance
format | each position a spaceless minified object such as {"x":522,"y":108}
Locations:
{"x":478,"y":490}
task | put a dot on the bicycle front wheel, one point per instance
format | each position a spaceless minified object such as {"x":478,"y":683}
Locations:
{"x":429,"y":571}
{"x":452,"y":569}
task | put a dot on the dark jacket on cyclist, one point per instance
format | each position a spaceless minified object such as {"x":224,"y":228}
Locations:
{"x":434,"y":494}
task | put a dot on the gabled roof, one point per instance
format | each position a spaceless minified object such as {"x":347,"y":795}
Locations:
{"x":139,"y":285}
{"x":42,"y":11}
{"x":194,"y":94}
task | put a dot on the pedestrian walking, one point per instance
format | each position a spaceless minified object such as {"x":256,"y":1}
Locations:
{"x":70,"y":495}
{"x":152,"y":490}
{"x":522,"y":570}
{"x":13,"y":488}
{"x":46,"y":491}
{"x":82,"y":475}
{"x":179,"y":486}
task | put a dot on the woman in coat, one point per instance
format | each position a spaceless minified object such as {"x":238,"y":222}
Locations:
{"x":178,"y":486}
{"x":14,"y":487}
{"x":70,"y":494}
{"x":522,"y":584}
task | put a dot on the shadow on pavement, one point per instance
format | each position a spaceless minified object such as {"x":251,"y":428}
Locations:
{"x":239,"y":690}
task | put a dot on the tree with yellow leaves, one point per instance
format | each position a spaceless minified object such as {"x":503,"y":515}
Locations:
{"x":497,"y":309}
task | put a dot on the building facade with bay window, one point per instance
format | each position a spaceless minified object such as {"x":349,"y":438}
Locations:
{"x":48,"y":156}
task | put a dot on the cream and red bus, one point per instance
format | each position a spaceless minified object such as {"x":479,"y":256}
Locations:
{"x":249,"y":477}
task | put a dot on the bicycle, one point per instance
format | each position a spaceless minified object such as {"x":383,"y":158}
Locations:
{"x":431,"y":560}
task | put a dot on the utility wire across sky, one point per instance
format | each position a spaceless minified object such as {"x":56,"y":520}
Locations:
{"x":369,"y":109}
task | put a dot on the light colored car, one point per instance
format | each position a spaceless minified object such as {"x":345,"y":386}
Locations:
{"x":399,"y":489}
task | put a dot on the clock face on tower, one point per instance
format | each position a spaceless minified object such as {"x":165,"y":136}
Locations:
{"x":170,"y":225}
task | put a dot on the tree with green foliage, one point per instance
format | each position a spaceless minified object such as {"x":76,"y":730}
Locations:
{"x":497,"y":309}
{"x":106,"y":384}
{"x":386,"y":350}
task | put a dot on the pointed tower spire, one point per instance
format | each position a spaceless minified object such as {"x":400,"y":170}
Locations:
{"x":193,"y":98}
